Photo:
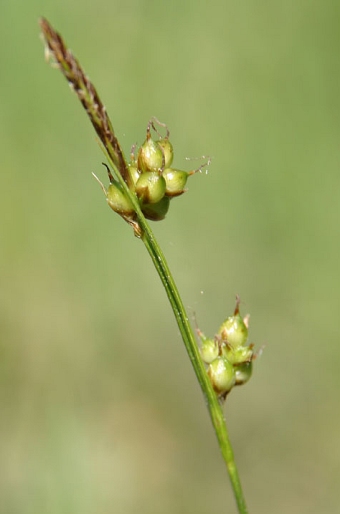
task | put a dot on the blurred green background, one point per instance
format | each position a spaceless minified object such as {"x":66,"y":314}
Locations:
{"x":100,"y":409}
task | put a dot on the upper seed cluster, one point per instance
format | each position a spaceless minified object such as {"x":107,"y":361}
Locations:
{"x":152,"y":179}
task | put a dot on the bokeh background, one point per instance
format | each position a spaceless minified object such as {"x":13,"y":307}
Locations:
{"x":100,"y":409}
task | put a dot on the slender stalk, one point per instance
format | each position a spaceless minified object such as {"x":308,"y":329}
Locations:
{"x":214,"y":407}
{"x":63,"y":59}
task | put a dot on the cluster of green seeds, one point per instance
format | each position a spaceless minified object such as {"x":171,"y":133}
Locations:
{"x":229,"y":359}
{"x":151,"y":178}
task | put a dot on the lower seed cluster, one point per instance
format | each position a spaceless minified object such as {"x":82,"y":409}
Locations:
{"x":229,"y":359}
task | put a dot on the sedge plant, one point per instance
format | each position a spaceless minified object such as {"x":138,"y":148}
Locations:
{"x":144,"y":189}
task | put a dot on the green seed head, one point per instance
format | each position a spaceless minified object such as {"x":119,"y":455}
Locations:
{"x":234,"y":331}
{"x":237,"y":354}
{"x":117,"y":199}
{"x":168,"y":151}
{"x":150,"y":187}
{"x":150,"y":156}
{"x":156,"y":211}
{"x":222,"y":375}
{"x":175,"y":181}
{"x":134,"y":172}
{"x":209,"y":350}
{"x":243,"y":372}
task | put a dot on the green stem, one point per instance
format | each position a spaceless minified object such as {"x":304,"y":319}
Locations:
{"x":214,"y":407}
{"x":63,"y":58}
